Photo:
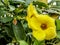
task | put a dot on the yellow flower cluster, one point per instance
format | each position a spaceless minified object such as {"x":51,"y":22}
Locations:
{"x":43,"y":26}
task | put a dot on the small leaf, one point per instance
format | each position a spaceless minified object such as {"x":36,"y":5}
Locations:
{"x":18,"y":10}
{"x":58,"y":24}
{"x":6,"y":2}
{"x":36,"y":42}
{"x":11,"y":7}
{"x":6,"y":19}
{"x":16,"y":1}
{"x":58,"y":34}
{"x":22,"y":42}
{"x":1,"y":4}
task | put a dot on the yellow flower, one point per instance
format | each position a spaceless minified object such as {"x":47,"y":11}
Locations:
{"x":43,"y":26}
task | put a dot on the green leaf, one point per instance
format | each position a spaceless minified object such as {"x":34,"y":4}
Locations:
{"x":22,"y":42}
{"x":40,"y":4}
{"x":18,"y":10}
{"x":11,"y":7}
{"x":19,"y":31}
{"x":58,"y":34}
{"x":6,"y":2}
{"x":36,"y":42}
{"x":1,"y":3}
{"x":2,"y":11}
{"x":9,"y":31}
{"x":58,"y":24}
{"x":39,"y":10}
{"x":6,"y":19}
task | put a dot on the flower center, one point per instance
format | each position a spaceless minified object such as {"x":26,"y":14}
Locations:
{"x":44,"y":26}
{"x":31,"y":16}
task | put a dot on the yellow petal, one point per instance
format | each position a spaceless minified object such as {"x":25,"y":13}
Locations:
{"x":34,"y":24}
{"x":50,"y":33}
{"x":31,"y":10}
{"x":45,"y":19}
{"x":39,"y":35}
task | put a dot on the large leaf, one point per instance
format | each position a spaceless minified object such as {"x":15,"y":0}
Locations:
{"x":58,"y":24}
{"x":6,"y":19}
{"x":19,"y":31}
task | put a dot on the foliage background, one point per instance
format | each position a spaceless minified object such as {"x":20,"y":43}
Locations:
{"x":13,"y":26}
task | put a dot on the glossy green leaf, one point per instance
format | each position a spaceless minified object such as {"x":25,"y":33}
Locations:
{"x":58,"y":24}
{"x":19,"y":31}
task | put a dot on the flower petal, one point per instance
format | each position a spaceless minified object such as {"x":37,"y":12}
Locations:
{"x":34,"y":24}
{"x":31,"y":10}
{"x":50,"y":33}
{"x":39,"y":35}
